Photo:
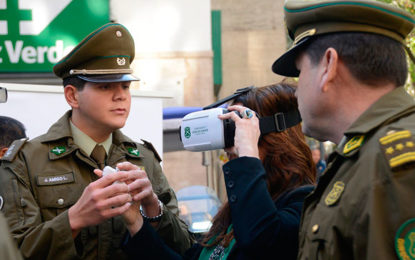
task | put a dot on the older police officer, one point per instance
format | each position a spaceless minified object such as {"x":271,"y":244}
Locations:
{"x":350,"y":59}
{"x":55,"y":204}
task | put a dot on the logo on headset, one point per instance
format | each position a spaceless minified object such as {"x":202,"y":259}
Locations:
{"x":187,"y":133}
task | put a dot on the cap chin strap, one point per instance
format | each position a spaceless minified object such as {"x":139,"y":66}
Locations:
{"x":279,"y":122}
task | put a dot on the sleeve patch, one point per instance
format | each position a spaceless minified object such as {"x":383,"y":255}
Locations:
{"x":398,"y":148}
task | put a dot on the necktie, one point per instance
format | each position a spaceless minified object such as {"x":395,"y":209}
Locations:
{"x":99,"y":154}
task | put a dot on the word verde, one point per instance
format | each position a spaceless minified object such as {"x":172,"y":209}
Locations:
{"x":17,"y":52}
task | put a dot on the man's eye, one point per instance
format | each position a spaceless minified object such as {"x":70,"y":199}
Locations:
{"x":104,"y":87}
{"x":126,"y":86}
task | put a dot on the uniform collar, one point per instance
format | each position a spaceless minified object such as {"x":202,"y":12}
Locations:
{"x":85,"y":142}
{"x":388,"y":106}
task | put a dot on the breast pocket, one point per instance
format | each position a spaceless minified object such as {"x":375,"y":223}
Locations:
{"x":57,"y":192}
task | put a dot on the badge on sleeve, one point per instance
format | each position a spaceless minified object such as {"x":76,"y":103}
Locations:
{"x":335,"y":193}
{"x":398,"y":148}
{"x":405,"y":240}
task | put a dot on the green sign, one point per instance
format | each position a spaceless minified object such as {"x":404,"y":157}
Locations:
{"x":34,"y":35}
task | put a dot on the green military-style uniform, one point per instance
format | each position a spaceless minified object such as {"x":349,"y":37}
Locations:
{"x":8,"y":249}
{"x":40,"y":179}
{"x":363,"y":206}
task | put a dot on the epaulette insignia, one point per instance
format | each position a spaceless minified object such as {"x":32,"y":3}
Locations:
{"x":58,"y":150}
{"x":398,"y":147}
{"x":405,"y":240}
{"x":353,"y":143}
{"x":14,"y":149}
{"x":150,"y":146}
{"x":133,"y":151}
{"x":335,"y":193}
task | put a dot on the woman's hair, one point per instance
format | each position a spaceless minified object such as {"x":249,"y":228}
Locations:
{"x":285,"y":156}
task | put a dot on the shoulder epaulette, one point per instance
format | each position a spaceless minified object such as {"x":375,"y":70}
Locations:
{"x":150,"y":146}
{"x":14,"y":148}
{"x":398,"y":147}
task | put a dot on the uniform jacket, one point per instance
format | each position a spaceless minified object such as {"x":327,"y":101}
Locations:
{"x":8,"y":249}
{"x":263,"y":229}
{"x":362,"y":204}
{"x":40,"y":179}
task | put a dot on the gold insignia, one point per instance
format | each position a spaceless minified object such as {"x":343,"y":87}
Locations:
{"x":301,"y":36}
{"x":398,"y":147}
{"x":335,"y":193}
{"x":405,"y":240}
{"x":353,"y":143}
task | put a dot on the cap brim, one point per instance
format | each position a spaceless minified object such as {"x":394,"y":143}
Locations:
{"x":285,"y":64}
{"x":108,"y":78}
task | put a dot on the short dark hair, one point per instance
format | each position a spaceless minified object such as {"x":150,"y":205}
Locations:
{"x":371,"y":58}
{"x":74,"y":81}
{"x":10,"y":130}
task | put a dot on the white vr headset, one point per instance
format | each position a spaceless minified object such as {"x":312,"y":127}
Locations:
{"x":203,"y":130}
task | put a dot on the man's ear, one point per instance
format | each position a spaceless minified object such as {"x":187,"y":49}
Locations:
{"x":329,"y":65}
{"x":3,"y":151}
{"x":71,"y":95}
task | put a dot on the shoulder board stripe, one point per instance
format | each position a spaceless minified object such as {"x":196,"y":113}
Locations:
{"x":395,"y":136}
{"x":401,"y":159}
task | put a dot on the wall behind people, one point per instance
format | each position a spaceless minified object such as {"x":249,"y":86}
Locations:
{"x":252,"y":33}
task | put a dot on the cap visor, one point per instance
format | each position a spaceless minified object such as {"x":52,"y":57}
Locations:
{"x":285,"y":64}
{"x":108,"y":78}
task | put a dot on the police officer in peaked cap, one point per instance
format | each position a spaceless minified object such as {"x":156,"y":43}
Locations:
{"x":56,"y":200}
{"x":350,"y":58}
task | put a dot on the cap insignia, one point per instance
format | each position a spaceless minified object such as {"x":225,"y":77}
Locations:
{"x":398,"y":147}
{"x":133,"y":151}
{"x":405,"y":240}
{"x":353,"y":143}
{"x":118,"y":34}
{"x":121,"y":61}
{"x":335,"y":193}
{"x":302,"y":35}
{"x":58,"y":150}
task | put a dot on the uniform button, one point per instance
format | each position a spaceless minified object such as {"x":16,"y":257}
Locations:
{"x":231,"y":184}
{"x":23,"y":203}
{"x":315,"y":228}
{"x":60,"y":201}
{"x":232,"y":198}
{"x":226,"y":170}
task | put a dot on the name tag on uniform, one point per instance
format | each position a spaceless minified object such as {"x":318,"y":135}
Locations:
{"x":55,"y":179}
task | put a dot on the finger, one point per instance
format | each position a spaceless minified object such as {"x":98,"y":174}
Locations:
{"x":112,"y":190}
{"x":127,"y":166}
{"x":110,"y":179}
{"x":142,"y":194}
{"x":115,"y":201}
{"x":98,"y":172}
{"x":230,"y":115}
{"x":112,"y":212}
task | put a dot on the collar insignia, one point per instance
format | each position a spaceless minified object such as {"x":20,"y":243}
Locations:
{"x":58,"y":150}
{"x":398,"y":148}
{"x":405,"y":240}
{"x":133,"y":151}
{"x":335,"y":193}
{"x":353,"y":143}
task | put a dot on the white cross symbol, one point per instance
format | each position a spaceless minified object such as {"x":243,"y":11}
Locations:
{"x":57,"y":150}
{"x":135,"y":151}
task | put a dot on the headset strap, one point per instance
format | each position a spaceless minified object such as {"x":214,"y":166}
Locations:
{"x":279,"y":122}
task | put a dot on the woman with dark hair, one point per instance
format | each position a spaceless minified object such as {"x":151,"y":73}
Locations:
{"x":267,"y":179}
